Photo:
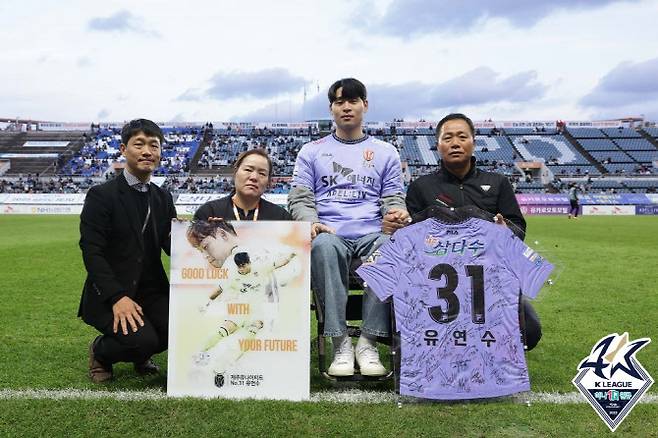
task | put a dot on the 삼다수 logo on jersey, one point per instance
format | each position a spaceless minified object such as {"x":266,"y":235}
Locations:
{"x":611,"y":378}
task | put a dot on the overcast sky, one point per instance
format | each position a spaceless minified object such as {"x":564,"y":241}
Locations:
{"x":262,"y":60}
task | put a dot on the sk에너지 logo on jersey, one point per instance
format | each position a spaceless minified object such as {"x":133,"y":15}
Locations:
{"x":611,"y":378}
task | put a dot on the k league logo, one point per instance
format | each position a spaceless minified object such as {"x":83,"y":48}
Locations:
{"x":611,"y":378}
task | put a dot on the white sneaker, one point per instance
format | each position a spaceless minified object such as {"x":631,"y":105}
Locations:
{"x":367,"y":357}
{"x":343,"y":363}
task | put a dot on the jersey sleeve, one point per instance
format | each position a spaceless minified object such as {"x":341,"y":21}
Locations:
{"x":380,"y":271}
{"x":392,"y":177}
{"x":303,"y":173}
{"x":530,"y":268}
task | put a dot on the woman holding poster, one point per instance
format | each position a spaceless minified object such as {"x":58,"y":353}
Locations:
{"x":252,"y":175}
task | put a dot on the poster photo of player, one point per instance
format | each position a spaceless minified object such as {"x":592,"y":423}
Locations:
{"x":249,"y":302}
{"x":239,"y":314}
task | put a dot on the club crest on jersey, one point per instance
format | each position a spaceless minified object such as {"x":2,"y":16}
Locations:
{"x":431,"y":241}
{"x":368,"y":155}
{"x":611,"y":378}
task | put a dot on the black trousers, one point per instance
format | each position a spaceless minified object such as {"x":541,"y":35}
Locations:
{"x":530,"y":324}
{"x":137,"y":346}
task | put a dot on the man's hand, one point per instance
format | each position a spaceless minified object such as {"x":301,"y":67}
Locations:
{"x":127,"y":313}
{"x":318,"y":228}
{"x":500,"y":220}
{"x":395,"y":219}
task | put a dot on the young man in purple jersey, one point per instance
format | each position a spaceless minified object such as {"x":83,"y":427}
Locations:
{"x":343,"y":184}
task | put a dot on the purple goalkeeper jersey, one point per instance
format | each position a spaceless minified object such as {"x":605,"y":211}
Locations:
{"x":348,"y":180}
{"x":455,"y":289}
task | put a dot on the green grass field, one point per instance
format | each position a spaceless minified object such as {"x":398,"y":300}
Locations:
{"x":606,"y":282}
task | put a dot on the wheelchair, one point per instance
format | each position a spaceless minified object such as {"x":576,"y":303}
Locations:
{"x":353,"y":313}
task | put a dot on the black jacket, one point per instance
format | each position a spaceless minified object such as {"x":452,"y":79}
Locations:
{"x":113,"y":246}
{"x":488,"y":191}
{"x":223,"y":207}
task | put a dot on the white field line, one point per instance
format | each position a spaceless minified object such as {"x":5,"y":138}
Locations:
{"x":346,"y":396}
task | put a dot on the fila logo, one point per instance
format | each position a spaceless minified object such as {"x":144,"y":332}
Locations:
{"x":485,"y":187}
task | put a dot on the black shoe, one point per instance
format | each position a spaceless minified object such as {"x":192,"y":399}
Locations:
{"x":148,"y":367}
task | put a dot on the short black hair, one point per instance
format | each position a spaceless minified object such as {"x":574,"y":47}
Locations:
{"x":199,"y":230}
{"x":352,"y":89}
{"x":241,"y":259}
{"x":135,"y":126}
{"x":455,"y":116}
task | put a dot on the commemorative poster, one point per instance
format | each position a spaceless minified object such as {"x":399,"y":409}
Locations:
{"x":239,"y":315}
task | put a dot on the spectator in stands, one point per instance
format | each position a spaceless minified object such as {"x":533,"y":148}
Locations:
{"x":458,"y":183}
{"x":252,"y":175}
{"x":124,"y":224}
{"x":560,"y":125}
{"x":573,"y":201}
{"x":343,"y":183}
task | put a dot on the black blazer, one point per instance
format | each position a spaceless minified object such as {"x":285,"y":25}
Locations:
{"x":113,"y":246}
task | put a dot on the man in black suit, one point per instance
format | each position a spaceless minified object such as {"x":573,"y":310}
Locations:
{"x":124,"y":225}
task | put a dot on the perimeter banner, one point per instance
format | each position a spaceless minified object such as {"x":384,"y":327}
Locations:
{"x":239,"y":313}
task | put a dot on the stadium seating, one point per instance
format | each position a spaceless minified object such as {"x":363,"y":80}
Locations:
{"x":621,"y":133}
{"x":635,"y":144}
{"x":96,"y":156}
{"x":530,"y":131}
{"x":552,"y":150}
{"x":586,"y":133}
{"x":224,"y":149}
{"x":197,"y":162}
{"x":653,"y":131}
{"x":37,"y":152}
